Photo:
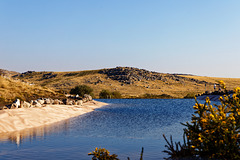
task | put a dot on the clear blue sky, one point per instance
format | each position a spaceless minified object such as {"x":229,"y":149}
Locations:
{"x":200,"y":37}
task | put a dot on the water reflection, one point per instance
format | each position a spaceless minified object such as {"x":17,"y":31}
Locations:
{"x":122,"y":127}
{"x":18,"y":137}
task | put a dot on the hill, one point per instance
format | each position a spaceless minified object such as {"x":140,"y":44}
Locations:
{"x":10,"y":89}
{"x":7,"y":73}
{"x":130,"y":82}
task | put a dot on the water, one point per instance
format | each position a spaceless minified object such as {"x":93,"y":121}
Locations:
{"x":123,"y":127}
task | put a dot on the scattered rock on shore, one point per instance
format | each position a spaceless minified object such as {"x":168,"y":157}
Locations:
{"x":86,"y":98}
{"x":42,"y":102}
{"x":26,"y":104}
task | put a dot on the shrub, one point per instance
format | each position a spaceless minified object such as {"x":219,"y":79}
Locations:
{"x":105,"y":94}
{"x":190,"y":96}
{"x":155,"y":96}
{"x":102,"y":154}
{"x":81,"y":90}
{"x":179,"y":151}
{"x":214,"y":130}
{"x":116,"y":95}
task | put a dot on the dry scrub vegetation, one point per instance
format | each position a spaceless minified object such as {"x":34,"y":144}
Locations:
{"x":11,"y":89}
{"x":176,"y":86}
{"x":150,"y":83}
{"x":230,"y":82}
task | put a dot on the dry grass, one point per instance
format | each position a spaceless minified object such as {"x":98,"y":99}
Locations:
{"x":11,"y":89}
{"x":64,"y":81}
{"x":231,"y":83}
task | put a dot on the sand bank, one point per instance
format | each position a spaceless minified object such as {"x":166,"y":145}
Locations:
{"x":23,"y":118}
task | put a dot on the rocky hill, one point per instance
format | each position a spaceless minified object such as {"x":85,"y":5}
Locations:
{"x":129,"y":75}
{"x":130,"y":82}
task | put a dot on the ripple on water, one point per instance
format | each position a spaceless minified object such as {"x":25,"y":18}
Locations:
{"x":123,"y":127}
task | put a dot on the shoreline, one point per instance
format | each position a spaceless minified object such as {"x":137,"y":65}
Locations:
{"x":25,"y":118}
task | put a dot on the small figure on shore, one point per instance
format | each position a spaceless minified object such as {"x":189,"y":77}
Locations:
{"x":214,"y":86}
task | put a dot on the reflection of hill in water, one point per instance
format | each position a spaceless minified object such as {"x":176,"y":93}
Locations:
{"x":18,"y":137}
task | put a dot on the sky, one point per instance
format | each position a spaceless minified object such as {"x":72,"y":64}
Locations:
{"x":200,"y":37}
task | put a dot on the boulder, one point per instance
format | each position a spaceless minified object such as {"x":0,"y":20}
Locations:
{"x":79,"y":102}
{"x":60,"y":101}
{"x":37,"y":105}
{"x":34,"y":102}
{"x":56,"y":101}
{"x":47,"y":101}
{"x":68,"y":102}
{"x":87,"y":97}
{"x":71,"y":102}
{"x":14,"y":106}
{"x":65,"y":101}
{"x":26,"y":105}
{"x":17,"y":101}
{"x":84,"y":100}
{"x":51,"y":101}
{"x":31,"y":102}
{"x":41,"y":101}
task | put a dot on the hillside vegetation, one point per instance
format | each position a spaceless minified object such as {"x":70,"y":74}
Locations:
{"x":10,"y":89}
{"x":130,"y":82}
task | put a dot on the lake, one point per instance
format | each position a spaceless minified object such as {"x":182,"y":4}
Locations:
{"x":123,"y":127}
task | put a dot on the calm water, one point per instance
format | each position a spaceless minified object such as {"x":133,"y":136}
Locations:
{"x":123,"y":127}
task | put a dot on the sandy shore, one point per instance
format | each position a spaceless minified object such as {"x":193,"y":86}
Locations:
{"x":23,"y":118}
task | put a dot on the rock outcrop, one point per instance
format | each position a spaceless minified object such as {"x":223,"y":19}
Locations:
{"x":129,"y":75}
{"x":49,"y":75}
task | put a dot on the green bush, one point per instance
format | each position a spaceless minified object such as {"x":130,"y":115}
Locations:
{"x":105,"y":94}
{"x":81,"y":90}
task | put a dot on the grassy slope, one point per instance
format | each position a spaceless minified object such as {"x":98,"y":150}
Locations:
{"x":64,"y":81}
{"x":11,"y":89}
{"x":230,"y":82}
